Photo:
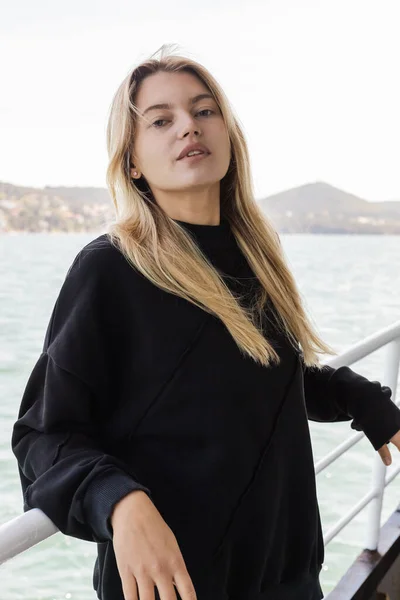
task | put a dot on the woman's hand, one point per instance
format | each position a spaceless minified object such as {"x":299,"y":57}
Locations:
{"x":147,"y":552}
{"x":384,"y":450}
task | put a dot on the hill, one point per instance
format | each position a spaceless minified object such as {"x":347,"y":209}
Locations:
{"x":312,"y":208}
{"x":321,"y":208}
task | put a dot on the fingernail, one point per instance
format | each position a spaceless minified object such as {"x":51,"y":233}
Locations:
{"x":387,"y":461}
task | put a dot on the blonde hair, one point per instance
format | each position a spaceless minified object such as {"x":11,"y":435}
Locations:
{"x":163,"y":251}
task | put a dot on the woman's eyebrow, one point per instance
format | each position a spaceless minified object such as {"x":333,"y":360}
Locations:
{"x":167,"y":105}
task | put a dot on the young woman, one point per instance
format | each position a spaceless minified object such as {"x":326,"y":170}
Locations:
{"x":167,"y":416}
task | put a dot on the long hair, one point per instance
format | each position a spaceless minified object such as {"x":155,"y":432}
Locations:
{"x":164,"y":252}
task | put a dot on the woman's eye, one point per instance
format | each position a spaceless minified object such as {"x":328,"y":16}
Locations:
{"x":162,"y":120}
{"x":158,"y":121}
{"x":205,"y":110}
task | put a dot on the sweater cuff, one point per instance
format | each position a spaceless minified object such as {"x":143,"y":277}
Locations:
{"x":382,"y":425}
{"x":103,"y":493}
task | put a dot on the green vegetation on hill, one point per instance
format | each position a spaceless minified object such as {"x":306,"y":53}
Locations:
{"x":312,"y":208}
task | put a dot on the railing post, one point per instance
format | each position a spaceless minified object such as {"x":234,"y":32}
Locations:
{"x":391,"y":374}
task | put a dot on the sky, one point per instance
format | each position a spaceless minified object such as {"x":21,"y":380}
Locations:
{"x":314,"y":84}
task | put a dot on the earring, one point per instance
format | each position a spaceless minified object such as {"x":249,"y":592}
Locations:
{"x":135,"y":173}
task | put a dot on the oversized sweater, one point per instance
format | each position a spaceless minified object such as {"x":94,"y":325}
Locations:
{"x":137,"y":388}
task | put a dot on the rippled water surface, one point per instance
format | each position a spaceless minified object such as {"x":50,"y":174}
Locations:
{"x":351,"y":286}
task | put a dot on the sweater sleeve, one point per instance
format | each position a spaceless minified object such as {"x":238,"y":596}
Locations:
{"x":63,"y":467}
{"x":341,"y":394}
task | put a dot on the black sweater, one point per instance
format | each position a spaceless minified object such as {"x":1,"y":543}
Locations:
{"x":137,"y":388}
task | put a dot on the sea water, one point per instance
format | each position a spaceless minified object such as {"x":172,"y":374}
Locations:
{"x":350,"y":285}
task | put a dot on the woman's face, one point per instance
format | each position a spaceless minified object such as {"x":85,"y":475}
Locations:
{"x":159,"y":142}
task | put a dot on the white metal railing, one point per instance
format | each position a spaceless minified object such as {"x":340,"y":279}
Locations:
{"x":23,"y":532}
{"x":32,"y":527}
{"x":390,"y":338}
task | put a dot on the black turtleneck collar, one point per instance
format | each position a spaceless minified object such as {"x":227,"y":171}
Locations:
{"x":211,"y":236}
{"x":219,"y":244}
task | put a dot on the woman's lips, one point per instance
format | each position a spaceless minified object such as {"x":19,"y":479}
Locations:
{"x":195,"y":157}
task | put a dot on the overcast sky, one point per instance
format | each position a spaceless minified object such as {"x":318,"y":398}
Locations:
{"x":315,"y":85}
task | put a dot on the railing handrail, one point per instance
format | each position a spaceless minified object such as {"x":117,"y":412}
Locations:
{"x":389,"y":337}
{"x":23,"y":532}
{"x":366,"y":346}
{"x":33,"y":526}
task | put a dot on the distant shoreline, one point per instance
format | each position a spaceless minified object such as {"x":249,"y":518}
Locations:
{"x":341,"y":233}
{"x":312,"y":209}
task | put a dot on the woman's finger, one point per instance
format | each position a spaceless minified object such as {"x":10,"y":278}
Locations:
{"x":146,"y":588}
{"x":184,"y":584}
{"x":395,"y":440}
{"x":385,"y":455}
{"x":129,"y":587}
{"x":166,"y":589}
